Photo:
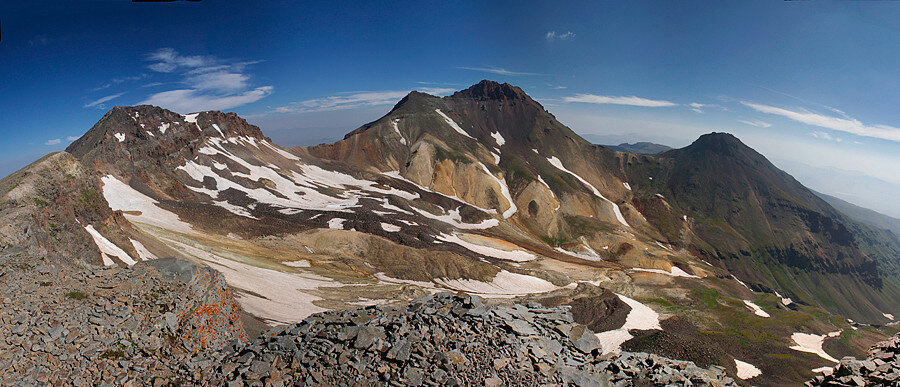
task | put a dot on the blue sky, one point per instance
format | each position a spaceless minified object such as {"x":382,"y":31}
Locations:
{"x":810,"y":82}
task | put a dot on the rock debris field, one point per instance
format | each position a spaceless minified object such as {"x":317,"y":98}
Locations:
{"x":880,"y":368}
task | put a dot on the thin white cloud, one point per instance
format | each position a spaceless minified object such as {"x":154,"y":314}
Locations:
{"x":849,"y":125}
{"x":212,"y":83}
{"x":498,"y":70}
{"x":354,"y":100}
{"x":697,"y":107}
{"x":192,"y":100}
{"x":618,"y":100}
{"x":71,"y":138}
{"x":556,"y":87}
{"x":758,"y":124}
{"x":553,"y":35}
{"x":54,"y":141}
{"x":100,"y":103}
{"x":825,"y":136}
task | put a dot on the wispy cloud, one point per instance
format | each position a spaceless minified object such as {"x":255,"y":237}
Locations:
{"x":52,"y":142}
{"x":846,"y":124}
{"x":553,"y":35}
{"x":825,"y":136}
{"x":353,"y":100}
{"x":758,"y":124}
{"x":212,"y":83}
{"x":697,"y":107}
{"x":71,"y":138}
{"x":618,"y":100}
{"x":556,"y":87}
{"x":497,"y":70}
{"x":100,"y":103}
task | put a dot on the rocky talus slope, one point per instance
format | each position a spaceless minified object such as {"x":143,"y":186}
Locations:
{"x":108,"y":326}
{"x":880,"y":368}
{"x":442,"y":339}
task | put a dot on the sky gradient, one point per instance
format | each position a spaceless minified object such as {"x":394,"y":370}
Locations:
{"x":810,"y":83}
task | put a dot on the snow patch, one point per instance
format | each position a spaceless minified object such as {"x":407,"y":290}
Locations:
{"x":108,"y":249}
{"x":497,"y":137}
{"x":807,"y":342}
{"x":297,"y":263}
{"x":784,"y":300}
{"x":453,"y":124}
{"x":640,"y":317}
{"x":746,"y":370}
{"x":627,"y":186}
{"x":336,"y":223}
{"x":120,"y":137}
{"x":756,"y":309}
{"x":888,"y":316}
{"x":675,"y":271}
{"x":390,"y":227}
{"x":163,"y":126}
{"x":558,"y":164}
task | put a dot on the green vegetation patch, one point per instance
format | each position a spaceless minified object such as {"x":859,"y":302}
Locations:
{"x":76,"y":295}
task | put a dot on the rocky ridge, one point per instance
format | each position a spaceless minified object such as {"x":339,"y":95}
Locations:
{"x":880,"y":368}
{"x":442,"y":339}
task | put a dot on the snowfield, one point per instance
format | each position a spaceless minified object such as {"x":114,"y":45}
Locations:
{"x":397,"y":130}
{"x":504,"y":190}
{"x":142,"y":251}
{"x":121,"y":197}
{"x":640,"y":317}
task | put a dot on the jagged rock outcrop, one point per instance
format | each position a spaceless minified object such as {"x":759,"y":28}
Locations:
{"x":880,"y":368}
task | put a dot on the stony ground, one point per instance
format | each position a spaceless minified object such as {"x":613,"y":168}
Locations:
{"x":107,"y":326}
{"x":442,"y":339}
{"x":880,"y":368}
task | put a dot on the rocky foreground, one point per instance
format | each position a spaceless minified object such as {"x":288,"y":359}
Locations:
{"x":443,"y":339}
{"x":108,"y":326}
{"x":880,"y":368}
{"x":168,"y":322}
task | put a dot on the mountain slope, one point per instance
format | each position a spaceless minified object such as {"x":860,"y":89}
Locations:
{"x":862,"y":214}
{"x":762,"y":225}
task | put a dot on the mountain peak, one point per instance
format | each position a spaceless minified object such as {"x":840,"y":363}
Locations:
{"x":491,"y":90}
{"x":719,"y":142}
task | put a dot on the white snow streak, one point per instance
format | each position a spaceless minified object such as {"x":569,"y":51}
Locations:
{"x":453,"y":124}
{"x":336,"y":223}
{"x":558,"y":164}
{"x":120,"y":137}
{"x":390,"y":227}
{"x":504,"y":190}
{"x":509,"y":255}
{"x":675,"y":271}
{"x":108,"y":249}
{"x":142,"y":251}
{"x":397,"y":130}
